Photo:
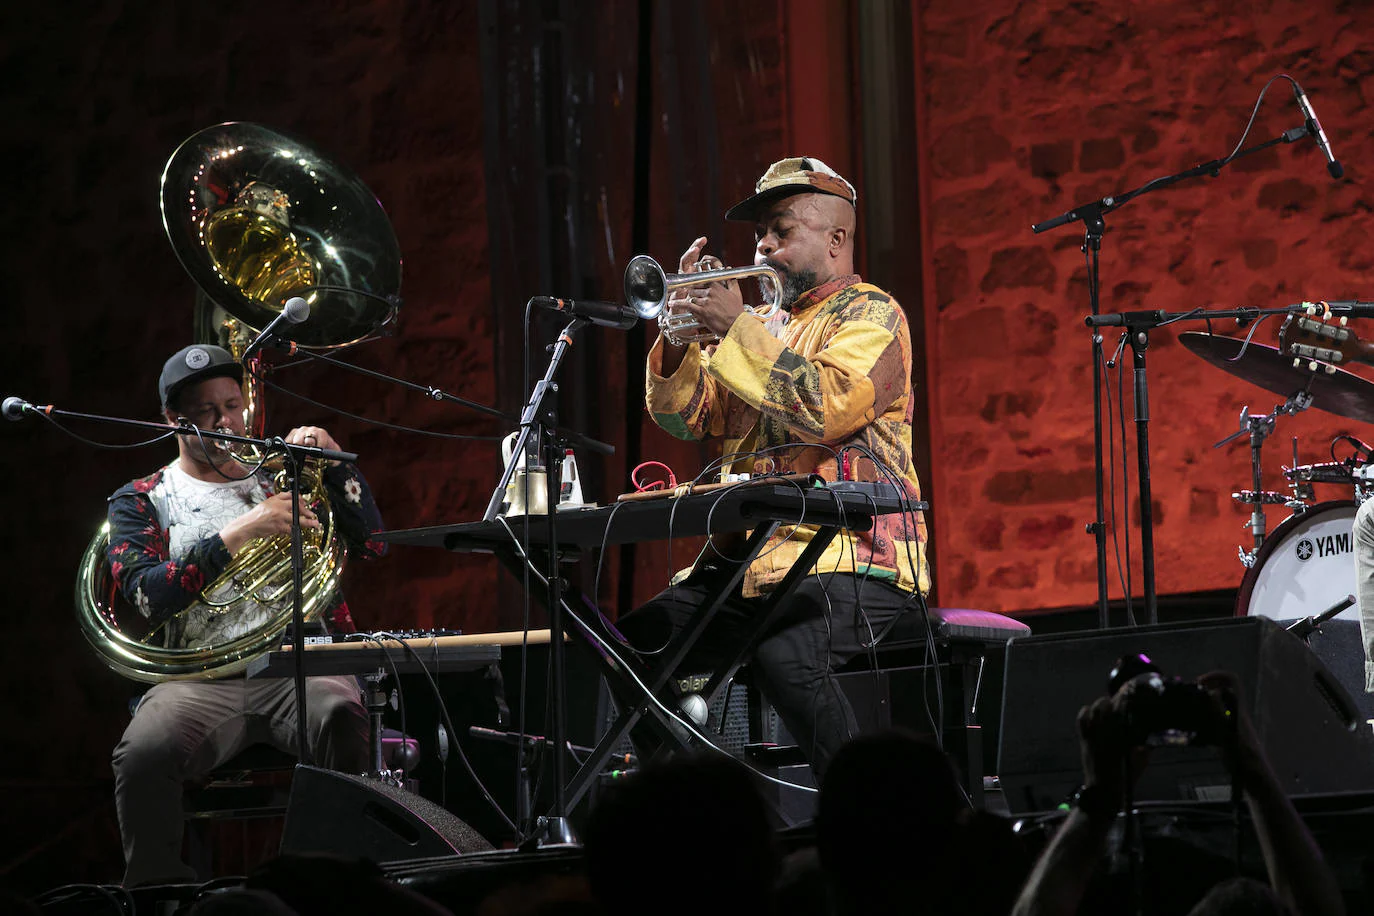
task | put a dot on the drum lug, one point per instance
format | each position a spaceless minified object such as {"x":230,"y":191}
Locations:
{"x":1247,"y":557}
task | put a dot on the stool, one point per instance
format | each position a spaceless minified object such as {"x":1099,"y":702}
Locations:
{"x":253,"y":784}
{"x":963,"y":637}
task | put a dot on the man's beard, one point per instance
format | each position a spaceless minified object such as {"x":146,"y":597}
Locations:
{"x":794,"y":283}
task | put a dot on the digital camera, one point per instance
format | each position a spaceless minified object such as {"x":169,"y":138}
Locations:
{"x":1165,"y":711}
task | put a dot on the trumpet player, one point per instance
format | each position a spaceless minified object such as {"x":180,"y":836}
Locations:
{"x":828,"y":375}
{"x":172,"y":533}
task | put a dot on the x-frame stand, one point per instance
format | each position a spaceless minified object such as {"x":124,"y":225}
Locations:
{"x":644,"y":686}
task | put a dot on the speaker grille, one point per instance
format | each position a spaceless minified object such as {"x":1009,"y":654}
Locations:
{"x":331,"y":812}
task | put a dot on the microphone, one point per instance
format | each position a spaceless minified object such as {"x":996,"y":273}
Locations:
{"x":1308,"y":625}
{"x":1314,"y":127}
{"x":294,"y":311}
{"x":15,"y":407}
{"x":605,"y":314}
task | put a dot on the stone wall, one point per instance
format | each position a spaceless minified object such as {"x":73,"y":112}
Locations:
{"x":1034,"y":108}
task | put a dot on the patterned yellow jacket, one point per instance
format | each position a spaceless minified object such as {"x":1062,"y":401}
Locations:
{"x":835,"y":372}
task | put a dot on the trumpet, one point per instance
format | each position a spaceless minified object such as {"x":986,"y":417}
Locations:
{"x":648,"y":286}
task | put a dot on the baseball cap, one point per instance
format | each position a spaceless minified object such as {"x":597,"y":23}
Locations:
{"x":194,"y":364}
{"x":798,"y":175}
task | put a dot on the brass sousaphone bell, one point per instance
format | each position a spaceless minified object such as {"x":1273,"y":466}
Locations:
{"x":256,"y":218}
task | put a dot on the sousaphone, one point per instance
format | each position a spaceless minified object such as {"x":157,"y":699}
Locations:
{"x":255,"y":217}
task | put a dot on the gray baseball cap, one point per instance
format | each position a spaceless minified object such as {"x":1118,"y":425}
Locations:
{"x":194,"y":364}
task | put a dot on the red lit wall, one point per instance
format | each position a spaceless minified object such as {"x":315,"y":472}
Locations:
{"x":1035,"y":108}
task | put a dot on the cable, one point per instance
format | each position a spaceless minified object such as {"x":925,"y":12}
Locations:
{"x":116,"y":895}
{"x":262,"y":377}
{"x":645,"y":486}
{"x":1224,"y":162}
{"x":1111,"y":469}
{"x":610,"y":651}
{"x":448,"y":723}
{"x":109,"y":445}
{"x":917,"y":596}
{"x":210,"y":459}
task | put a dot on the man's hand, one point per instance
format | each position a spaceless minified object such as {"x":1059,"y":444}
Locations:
{"x":677,"y":304}
{"x":270,"y":517}
{"x":716,"y":305}
{"x":315,"y":437}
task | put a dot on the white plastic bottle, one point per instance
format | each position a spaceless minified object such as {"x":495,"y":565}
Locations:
{"x":570,"y":484}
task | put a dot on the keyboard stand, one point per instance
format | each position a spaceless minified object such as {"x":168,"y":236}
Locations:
{"x":761,"y":509}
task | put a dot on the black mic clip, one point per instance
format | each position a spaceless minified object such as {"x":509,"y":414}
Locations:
{"x":1308,"y":625}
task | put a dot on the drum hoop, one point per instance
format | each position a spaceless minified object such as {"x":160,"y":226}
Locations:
{"x":1247,"y":584}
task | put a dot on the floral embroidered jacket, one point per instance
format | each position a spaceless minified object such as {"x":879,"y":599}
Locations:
{"x":791,"y":395}
{"x":161,"y":585}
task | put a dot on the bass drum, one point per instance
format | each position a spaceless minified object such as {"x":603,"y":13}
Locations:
{"x":1304,"y":567}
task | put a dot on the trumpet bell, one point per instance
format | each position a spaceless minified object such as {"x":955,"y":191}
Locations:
{"x":647,"y":287}
{"x":256,"y":217}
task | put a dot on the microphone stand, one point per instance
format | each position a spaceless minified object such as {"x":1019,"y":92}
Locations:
{"x":438,"y":394}
{"x":1139,"y":325}
{"x":540,"y":418}
{"x":541,"y":414}
{"x":293,"y":455}
{"x":293,"y":470}
{"x":1091,"y":215}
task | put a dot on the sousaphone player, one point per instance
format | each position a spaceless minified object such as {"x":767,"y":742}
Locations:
{"x":171,"y":534}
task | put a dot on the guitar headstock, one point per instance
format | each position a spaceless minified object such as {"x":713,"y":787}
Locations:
{"x":1319,"y":337}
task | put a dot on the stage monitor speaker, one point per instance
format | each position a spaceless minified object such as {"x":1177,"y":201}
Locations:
{"x":1312,"y":732}
{"x":347,"y":815}
{"x":1339,"y":645}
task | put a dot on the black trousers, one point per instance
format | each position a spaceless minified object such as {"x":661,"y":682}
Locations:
{"x":826,"y":621}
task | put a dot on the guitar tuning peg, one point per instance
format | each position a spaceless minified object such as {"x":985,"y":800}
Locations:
{"x":1345,"y":320}
{"x":1310,"y":308}
{"x":1330,"y":369}
{"x":1297,"y":363}
{"x":1312,"y":365}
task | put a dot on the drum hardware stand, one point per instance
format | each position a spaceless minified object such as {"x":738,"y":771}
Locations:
{"x":377,"y":701}
{"x":1260,"y":427}
{"x":1138,"y":324}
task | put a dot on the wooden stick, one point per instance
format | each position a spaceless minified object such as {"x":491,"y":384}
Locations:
{"x":805,"y":480}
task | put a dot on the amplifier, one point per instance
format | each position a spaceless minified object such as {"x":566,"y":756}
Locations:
{"x":738,"y":717}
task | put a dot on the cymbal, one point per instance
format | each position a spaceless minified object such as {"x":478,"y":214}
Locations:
{"x":1342,"y":393}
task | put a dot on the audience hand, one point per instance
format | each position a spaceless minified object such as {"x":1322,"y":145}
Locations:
{"x":1240,"y":745}
{"x":1108,"y":757}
